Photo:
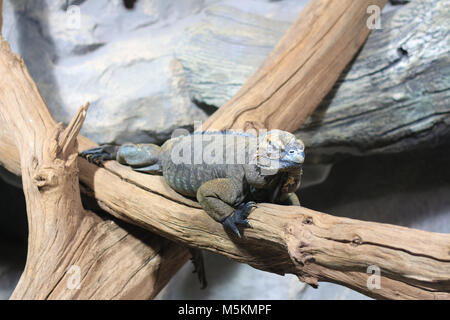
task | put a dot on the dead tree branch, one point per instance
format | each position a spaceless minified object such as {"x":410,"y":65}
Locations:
{"x":301,"y":69}
{"x":72,"y":253}
{"x":313,"y":245}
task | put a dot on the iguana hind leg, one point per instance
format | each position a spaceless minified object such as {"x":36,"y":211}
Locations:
{"x":222,"y":200}
{"x":99,"y":154}
{"x":142,"y":157}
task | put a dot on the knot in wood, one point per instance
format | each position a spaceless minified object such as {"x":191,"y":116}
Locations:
{"x":45,"y":178}
{"x":253,"y":125}
{"x":356,"y":241}
{"x":303,"y":245}
{"x":308,"y":220}
{"x":308,"y":259}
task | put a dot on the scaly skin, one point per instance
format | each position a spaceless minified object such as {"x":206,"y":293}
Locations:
{"x":226,"y":171}
{"x":244,"y":169}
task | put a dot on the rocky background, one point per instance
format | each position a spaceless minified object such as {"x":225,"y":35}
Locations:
{"x":165,"y":64}
{"x":145,"y":71}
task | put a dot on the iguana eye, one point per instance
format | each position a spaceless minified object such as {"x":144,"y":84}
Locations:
{"x":291,"y":151}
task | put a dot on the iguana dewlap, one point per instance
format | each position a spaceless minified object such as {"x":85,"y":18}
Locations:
{"x":226,"y":171}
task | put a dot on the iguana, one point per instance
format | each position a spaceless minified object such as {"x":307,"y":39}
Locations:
{"x":228,"y":172}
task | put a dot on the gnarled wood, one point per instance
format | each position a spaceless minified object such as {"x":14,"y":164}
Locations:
{"x":72,"y":253}
{"x":313,"y":245}
{"x":301,"y":69}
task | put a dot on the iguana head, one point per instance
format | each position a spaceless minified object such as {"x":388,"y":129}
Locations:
{"x":280,"y":151}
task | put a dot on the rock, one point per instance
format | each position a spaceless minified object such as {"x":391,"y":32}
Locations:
{"x":133,"y":65}
{"x":221,"y":52}
{"x":143,"y":69}
{"x":395,"y":96}
{"x":115,"y":58}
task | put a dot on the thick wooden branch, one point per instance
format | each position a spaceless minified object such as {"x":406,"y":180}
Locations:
{"x":315,"y":246}
{"x":301,"y":69}
{"x":72,"y":253}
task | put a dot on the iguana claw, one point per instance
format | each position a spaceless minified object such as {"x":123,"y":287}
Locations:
{"x":98,"y":155}
{"x":239,"y":217}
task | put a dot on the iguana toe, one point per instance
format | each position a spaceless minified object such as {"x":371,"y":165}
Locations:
{"x":239,"y":217}
{"x":242,"y":213}
{"x":229,"y":224}
{"x":98,"y":154}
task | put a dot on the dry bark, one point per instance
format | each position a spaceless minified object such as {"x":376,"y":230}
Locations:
{"x":67,"y":243}
{"x":301,"y":69}
{"x":315,"y":246}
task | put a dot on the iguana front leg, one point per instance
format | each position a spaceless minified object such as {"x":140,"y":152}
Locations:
{"x":222,"y":200}
{"x":289,"y":199}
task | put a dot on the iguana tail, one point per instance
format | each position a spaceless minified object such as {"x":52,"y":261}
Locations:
{"x":199,"y":266}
